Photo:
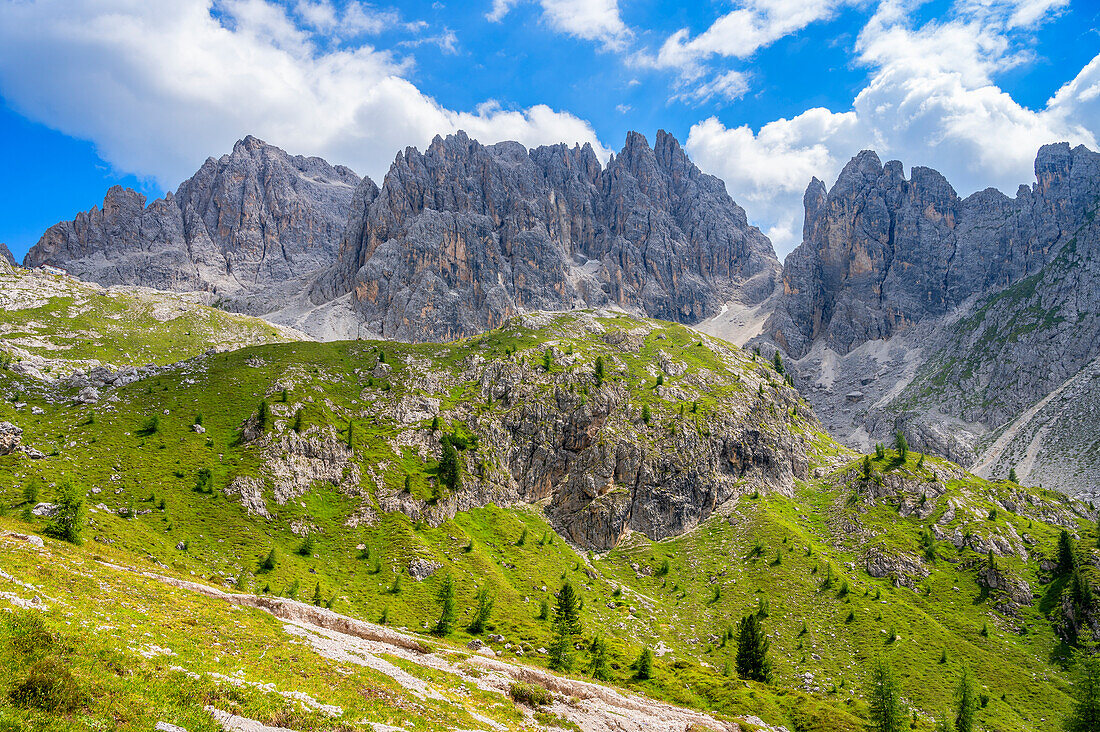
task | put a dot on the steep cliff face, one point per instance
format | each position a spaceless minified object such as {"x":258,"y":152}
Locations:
{"x":463,"y":235}
{"x":5,"y":255}
{"x":243,"y":222}
{"x":908,"y":308}
{"x":881,"y":253}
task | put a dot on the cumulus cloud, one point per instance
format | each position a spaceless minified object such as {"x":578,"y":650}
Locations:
{"x":591,"y":20}
{"x":930,"y":100}
{"x":158,"y":85}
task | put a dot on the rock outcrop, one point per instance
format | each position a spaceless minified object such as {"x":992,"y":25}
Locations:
{"x":6,"y":255}
{"x":243,"y":222}
{"x":463,"y":236}
{"x":10,"y":438}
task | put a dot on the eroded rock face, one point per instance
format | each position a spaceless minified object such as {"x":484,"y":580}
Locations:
{"x":585,"y":449}
{"x":1009,"y":592}
{"x":6,"y":255}
{"x":903,"y":569}
{"x":463,"y":235}
{"x":244,"y":221}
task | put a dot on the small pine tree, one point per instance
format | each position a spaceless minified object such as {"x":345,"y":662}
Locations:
{"x":646,"y":415}
{"x":663,"y":569}
{"x":598,"y":372}
{"x":68,"y":516}
{"x":307,"y":546}
{"x":544,"y":610}
{"x":547,"y":360}
{"x":1085,"y":716}
{"x":268,"y":563}
{"x":317,"y":594}
{"x":1067,"y":553}
{"x":482,"y":612}
{"x":966,"y":703}
{"x":644,"y":665}
{"x":920,"y":462}
{"x":888,"y":714}
{"x":880,"y":451}
{"x":436,"y":426}
{"x":752,"y":650}
{"x":1012,"y":475}
{"x":867,"y":467}
{"x":385,"y":616}
{"x":351,"y":435}
{"x":285,"y":396}
{"x":777,"y":363}
{"x":30,"y":492}
{"x":598,"y":665}
{"x":450,"y":469}
{"x":297,"y":427}
{"x":660,"y":379}
{"x":522,"y":537}
{"x":567,"y":625}
{"x":395,"y":588}
{"x":901,"y":446}
{"x":446,"y":597}
{"x":264,"y":415}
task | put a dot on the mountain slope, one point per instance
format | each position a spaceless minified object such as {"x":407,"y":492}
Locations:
{"x":244,"y":222}
{"x":53,"y":325}
{"x":727,"y":499}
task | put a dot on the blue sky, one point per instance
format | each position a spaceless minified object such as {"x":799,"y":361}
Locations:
{"x":762,"y":93}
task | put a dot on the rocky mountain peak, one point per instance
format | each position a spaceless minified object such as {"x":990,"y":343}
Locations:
{"x":462,"y":236}
{"x":249,"y":219}
{"x":6,"y":255}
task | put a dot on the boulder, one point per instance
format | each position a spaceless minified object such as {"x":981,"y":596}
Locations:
{"x":10,"y":437}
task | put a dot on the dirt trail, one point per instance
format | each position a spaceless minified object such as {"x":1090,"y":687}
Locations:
{"x":592,"y":707}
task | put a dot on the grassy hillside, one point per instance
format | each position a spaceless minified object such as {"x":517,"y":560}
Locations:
{"x":51,"y":325}
{"x":799,"y":552}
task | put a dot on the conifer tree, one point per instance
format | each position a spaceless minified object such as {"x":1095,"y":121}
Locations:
{"x":446,"y":596}
{"x":68,"y":516}
{"x":966,"y":703}
{"x":297,"y":427}
{"x":1012,"y":475}
{"x":482,"y":612}
{"x":752,"y":650}
{"x":598,"y":665}
{"x":777,"y":363}
{"x":901,"y":446}
{"x":264,"y":415}
{"x":547,"y":360}
{"x":351,"y":435}
{"x":599,"y":371}
{"x":268,"y":563}
{"x":1085,"y":716}
{"x":866,"y":467}
{"x":450,"y":470}
{"x":644,"y":665}
{"x":888,"y":714}
{"x":317,"y":594}
{"x":567,"y":626}
{"x":1067,"y":552}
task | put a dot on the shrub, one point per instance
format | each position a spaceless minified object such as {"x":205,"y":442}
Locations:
{"x":150,"y":426}
{"x":27,"y":634}
{"x":48,"y":686}
{"x":530,"y":694}
{"x":663,"y":569}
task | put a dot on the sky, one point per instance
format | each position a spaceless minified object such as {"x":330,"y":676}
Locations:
{"x":764,"y":94}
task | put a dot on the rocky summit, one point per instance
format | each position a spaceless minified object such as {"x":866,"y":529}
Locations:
{"x":248,"y":220}
{"x":464,"y":235}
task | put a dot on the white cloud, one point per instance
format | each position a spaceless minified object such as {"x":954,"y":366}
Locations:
{"x":738,"y":34}
{"x":158,"y":85}
{"x":728,"y":86}
{"x":930,"y":100}
{"x":591,"y":20}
